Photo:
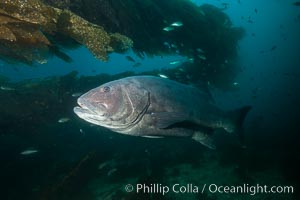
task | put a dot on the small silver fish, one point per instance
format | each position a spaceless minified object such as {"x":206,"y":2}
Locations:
{"x":175,"y":62}
{"x":43,"y":61}
{"x":63,"y":120}
{"x":191,"y":60}
{"x":202,"y":12}
{"x":163,"y":76}
{"x":200,"y":50}
{"x":76,"y":94}
{"x":174,"y":46}
{"x":28,"y":152}
{"x":82,"y":132}
{"x":103,"y":165}
{"x":202,"y":57}
{"x":6,"y":88}
{"x":168,"y":28}
{"x":177,"y":24}
{"x":235,"y":84}
{"x":167,"y":44}
{"x":110,"y":172}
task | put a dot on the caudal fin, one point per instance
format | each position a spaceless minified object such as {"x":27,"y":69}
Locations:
{"x":237,"y":118}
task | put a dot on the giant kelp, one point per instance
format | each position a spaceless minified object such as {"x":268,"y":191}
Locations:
{"x":26,"y":27}
{"x":207,"y":35}
{"x":205,"y":27}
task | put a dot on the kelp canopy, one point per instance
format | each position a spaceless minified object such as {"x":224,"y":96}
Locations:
{"x":204,"y":34}
{"x":28,"y":30}
{"x":205,"y":27}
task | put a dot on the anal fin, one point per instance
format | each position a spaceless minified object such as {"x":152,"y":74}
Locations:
{"x":204,"y":139}
{"x":152,"y":136}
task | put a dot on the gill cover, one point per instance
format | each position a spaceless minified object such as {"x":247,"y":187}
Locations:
{"x":136,"y":101}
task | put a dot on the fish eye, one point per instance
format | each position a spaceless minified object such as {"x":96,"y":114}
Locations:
{"x":106,"y":89}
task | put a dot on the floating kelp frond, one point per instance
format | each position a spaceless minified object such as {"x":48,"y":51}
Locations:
{"x":23,"y":25}
{"x":92,"y":36}
{"x":120,"y":43}
{"x":6,"y":34}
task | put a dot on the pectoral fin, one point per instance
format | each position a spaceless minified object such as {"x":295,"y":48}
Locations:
{"x":204,"y":139}
{"x":165,"y":119}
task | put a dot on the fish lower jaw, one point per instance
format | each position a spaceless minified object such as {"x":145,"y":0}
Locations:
{"x":88,"y":114}
{"x":83,"y":109}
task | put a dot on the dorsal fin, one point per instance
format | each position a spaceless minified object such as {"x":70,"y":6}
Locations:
{"x":203,"y":87}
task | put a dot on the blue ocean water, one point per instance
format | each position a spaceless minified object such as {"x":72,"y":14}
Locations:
{"x":74,"y":161}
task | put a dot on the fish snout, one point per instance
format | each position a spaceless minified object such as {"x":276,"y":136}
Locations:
{"x":82,"y":103}
{"x":94,"y":107}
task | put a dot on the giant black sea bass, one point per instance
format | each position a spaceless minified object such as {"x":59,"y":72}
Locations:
{"x":150,"y":106}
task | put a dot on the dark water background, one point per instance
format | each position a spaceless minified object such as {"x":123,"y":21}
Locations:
{"x":68,"y":164}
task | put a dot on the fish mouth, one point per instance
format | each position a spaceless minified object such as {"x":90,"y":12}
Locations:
{"x":83,"y":109}
{"x":87,"y":107}
{"x":90,"y":112}
{"x":89,"y":115}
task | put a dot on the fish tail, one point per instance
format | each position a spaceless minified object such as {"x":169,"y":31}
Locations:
{"x":237,"y":118}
